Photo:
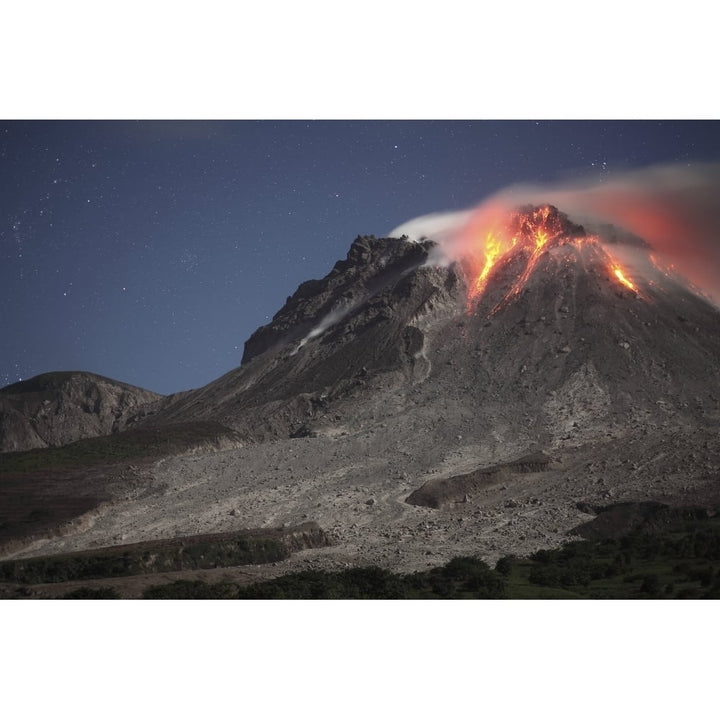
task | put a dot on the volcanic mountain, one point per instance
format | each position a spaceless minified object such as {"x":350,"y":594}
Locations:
{"x":547,"y":330}
{"x":418,"y":408}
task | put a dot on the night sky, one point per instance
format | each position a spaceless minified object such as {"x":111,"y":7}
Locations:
{"x":150,"y":251}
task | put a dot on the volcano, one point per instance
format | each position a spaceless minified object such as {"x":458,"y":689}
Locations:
{"x":551,"y":316}
{"x":418,"y":409}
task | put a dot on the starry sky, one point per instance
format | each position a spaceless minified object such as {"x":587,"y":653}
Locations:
{"x":149,"y":251}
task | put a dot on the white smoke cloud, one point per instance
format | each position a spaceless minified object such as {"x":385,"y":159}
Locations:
{"x":436,"y":226}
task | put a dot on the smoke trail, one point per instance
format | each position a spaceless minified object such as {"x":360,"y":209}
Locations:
{"x":334,"y":316}
{"x":436,"y":226}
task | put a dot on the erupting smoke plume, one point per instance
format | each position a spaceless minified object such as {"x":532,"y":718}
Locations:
{"x":675,"y":208}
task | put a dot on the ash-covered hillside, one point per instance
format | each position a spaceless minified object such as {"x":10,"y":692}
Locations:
{"x":61,"y":407}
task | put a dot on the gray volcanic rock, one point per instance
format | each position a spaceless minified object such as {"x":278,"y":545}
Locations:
{"x":437,"y":493}
{"x":370,"y":267}
{"x":360,"y":325}
{"x":62,"y":407}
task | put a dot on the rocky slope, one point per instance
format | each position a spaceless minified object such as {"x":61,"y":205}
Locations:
{"x":334,"y":339}
{"x":62,"y":407}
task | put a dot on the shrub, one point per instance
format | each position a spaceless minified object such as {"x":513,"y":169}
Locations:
{"x":504,"y":565}
{"x":651,"y":585}
{"x":191,"y":590}
{"x":92,"y":593}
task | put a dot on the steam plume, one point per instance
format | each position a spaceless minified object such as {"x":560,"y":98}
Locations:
{"x":328,"y":321}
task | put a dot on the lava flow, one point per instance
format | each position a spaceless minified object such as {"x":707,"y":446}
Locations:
{"x":527,"y":233}
{"x":493,"y":248}
{"x":620,"y":275}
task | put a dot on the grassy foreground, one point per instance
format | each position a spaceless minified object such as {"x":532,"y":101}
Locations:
{"x":246,"y":547}
{"x":678,"y":560}
{"x":682,"y":561}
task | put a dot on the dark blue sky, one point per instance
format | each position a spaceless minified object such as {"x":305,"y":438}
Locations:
{"x":150,"y":251}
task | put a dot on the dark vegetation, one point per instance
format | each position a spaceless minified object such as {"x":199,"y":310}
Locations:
{"x":48,"y":501}
{"x":88,"y":593}
{"x":139,"y":443}
{"x":189,"y":553}
{"x":670,"y":555}
{"x":679,"y":559}
{"x":462,"y":577}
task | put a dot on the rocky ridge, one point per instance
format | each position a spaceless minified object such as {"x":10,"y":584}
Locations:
{"x":61,"y":407}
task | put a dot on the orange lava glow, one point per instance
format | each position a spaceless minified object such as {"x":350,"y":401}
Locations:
{"x":522,"y":238}
{"x":493,"y":248}
{"x":527,"y":231}
{"x":620,"y":275}
{"x":541,"y":239}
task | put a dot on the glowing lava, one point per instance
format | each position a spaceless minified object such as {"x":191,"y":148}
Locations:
{"x":493,"y":248}
{"x":524,"y":236}
{"x":620,"y":275}
{"x":528,"y":231}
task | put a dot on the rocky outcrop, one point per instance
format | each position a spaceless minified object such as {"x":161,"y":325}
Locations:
{"x":438,"y":492}
{"x":333,"y":336}
{"x":62,"y":407}
{"x":370,"y":267}
{"x":617,"y":520}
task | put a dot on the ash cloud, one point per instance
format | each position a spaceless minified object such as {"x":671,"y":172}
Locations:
{"x":675,"y":208}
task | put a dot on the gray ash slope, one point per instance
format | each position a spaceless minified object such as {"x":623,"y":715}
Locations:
{"x":59,"y":408}
{"x":380,"y":383}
